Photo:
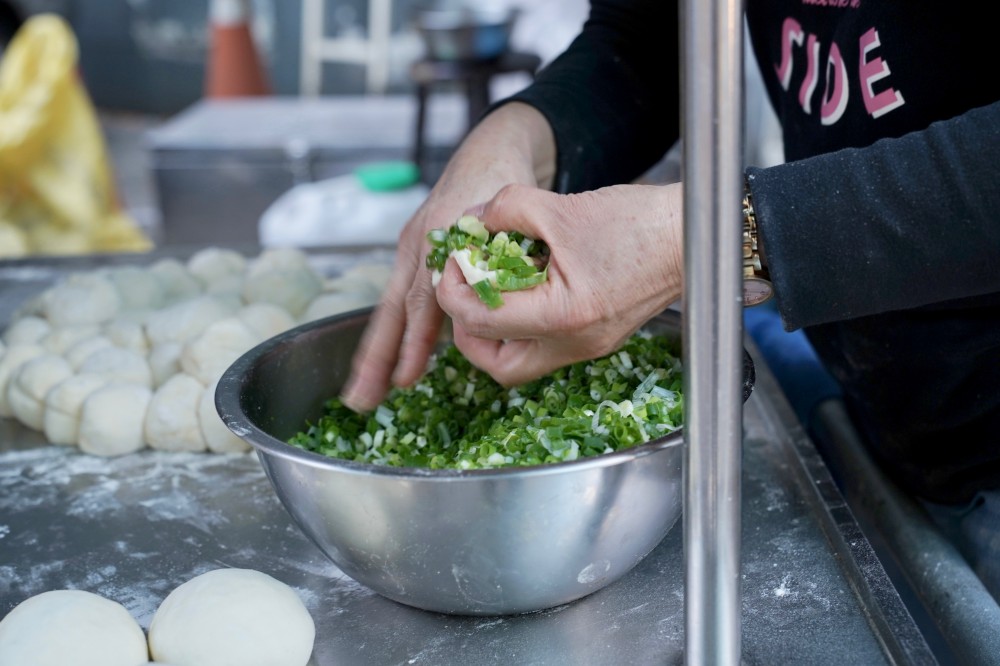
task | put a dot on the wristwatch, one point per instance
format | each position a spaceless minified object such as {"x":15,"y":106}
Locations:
{"x":757,"y":286}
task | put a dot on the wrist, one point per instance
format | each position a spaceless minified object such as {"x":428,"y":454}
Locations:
{"x":757,"y":286}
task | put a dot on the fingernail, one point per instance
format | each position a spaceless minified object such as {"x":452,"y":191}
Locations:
{"x":476,"y":210}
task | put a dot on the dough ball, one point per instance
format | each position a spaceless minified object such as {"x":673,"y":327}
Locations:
{"x":327,"y":305}
{"x":186,"y":321}
{"x":83,"y":299}
{"x":266,"y":320}
{"x":231,"y":285}
{"x":165,"y":362}
{"x":218,"y":436}
{"x":117,"y":364}
{"x":208,"y":356}
{"x":378,"y":275}
{"x":172,"y":416}
{"x":138,"y":288}
{"x":214,"y":264}
{"x":82,"y":350}
{"x":291,"y":288}
{"x":232,"y":616}
{"x":178,"y":283}
{"x":60,"y":340}
{"x":26,"y":331}
{"x":29,"y":385}
{"x":63,"y":404}
{"x":14,"y":357}
{"x":127,"y":334}
{"x":347,"y":284}
{"x":64,"y":627}
{"x":111,"y":419}
{"x":278,"y":259}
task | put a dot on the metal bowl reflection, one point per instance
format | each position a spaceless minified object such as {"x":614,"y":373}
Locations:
{"x":481,"y":542}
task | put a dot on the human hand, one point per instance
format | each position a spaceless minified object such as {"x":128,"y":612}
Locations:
{"x":616,"y":257}
{"x":512,"y":145}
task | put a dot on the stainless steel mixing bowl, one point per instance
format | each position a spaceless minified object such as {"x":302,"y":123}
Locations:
{"x":479,"y":542}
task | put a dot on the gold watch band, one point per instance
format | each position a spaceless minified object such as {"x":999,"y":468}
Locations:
{"x":756,"y":278}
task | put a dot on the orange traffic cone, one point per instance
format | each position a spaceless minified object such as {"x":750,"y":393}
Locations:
{"x":234,"y":67}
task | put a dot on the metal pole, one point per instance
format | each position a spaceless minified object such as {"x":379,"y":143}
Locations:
{"x":712,"y":53}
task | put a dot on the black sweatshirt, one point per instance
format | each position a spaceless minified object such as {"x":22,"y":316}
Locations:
{"x":882,"y":230}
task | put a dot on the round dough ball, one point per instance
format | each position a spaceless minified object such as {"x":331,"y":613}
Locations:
{"x":83,"y":299}
{"x":63,"y":404}
{"x":178,"y":283}
{"x":138,"y":288}
{"x":117,"y":364}
{"x":186,"y":321}
{"x":352,"y":284}
{"x":127,"y":334}
{"x":232,"y":616}
{"x":218,"y":437}
{"x":291,"y":288}
{"x":165,"y":362}
{"x":327,"y":305}
{"x":172,"y":416}
{"x":208,"y":356}
{"x":14,"y":357}
{"x":64,"y":627}
{"x":60,"y":340}
{"x":82,"y":350}
{"x":26,"y":331}
{"x":111,"y":419}
{"x":29,"y":385}
{"x":266,"y":320}
{"x":214,"y":264}
{"x":278,"y":259}
{"x":376,"y":274}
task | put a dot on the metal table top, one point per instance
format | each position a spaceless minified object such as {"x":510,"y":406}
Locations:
{"x":132,"y":528}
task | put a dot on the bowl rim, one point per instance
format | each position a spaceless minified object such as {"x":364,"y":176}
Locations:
{"x":233,"y":380}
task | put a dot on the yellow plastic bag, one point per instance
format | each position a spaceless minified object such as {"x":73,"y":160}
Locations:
{"x":57,"y":193}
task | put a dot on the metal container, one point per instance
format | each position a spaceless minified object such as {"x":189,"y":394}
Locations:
{"x":478,"y":542}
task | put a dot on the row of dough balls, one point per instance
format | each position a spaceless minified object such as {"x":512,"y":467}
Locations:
{"x":117,"y":359}
{"x":224,"y":616}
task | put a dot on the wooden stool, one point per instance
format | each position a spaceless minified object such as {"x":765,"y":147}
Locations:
{"x":473,"y":75}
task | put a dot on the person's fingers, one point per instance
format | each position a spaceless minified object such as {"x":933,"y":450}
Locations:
{"x":423,"y":323}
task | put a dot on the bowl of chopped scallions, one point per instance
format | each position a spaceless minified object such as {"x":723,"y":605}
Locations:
{"x":461,"y":496}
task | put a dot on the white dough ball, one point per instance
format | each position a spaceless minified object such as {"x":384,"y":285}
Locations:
{"x":83,"y":299}
{"x":376,"y":274}
{"x":29,"y":385}
{"x":214,"y":264}
{"x":63,"y":404}
{"x":111,"y":419}
{"x":327,"y":305}
{"x":82,"y":350}
{"x":138,"y":288}
{"x":266,"y":320}
{"x":14,"y":357}
{"x":178,"y":283}
{"x":172,"y":416}
{"x":232,"y":616}
{"x":26,"y":331}
{"x":117,"y":364}
{"x":127,"y":334}
{"x":218,"y":436}
{"x":291,"y":288}
{"x":347,"y":284}
{"x":59,"y":340}
{"x":64,"y":627}
{"x":165,"y":362}
{"x":212,"y":352}
{"x":186,"y":321}
{"x":278,"y":259}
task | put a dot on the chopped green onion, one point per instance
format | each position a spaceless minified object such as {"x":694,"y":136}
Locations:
{"x":505,"y":261}
{"x":457,"y":417}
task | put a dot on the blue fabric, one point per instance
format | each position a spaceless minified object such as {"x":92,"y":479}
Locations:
{"x":974,"y":528}
{"x":792,"y":361}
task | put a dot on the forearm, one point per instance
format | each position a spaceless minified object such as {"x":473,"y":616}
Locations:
{"x":900,"y":224}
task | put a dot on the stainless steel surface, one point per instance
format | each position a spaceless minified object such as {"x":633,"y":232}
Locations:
{"x":132,"y":528}
{"x":712,"y":92}
{"x":479,"y":542}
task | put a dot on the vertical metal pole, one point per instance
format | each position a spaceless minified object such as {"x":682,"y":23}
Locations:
{"x":712,"y":54}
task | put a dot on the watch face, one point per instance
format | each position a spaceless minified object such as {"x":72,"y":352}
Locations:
{"x":756,"y":291}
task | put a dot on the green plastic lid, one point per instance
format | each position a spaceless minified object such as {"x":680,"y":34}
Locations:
{"x":387,"y":176}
